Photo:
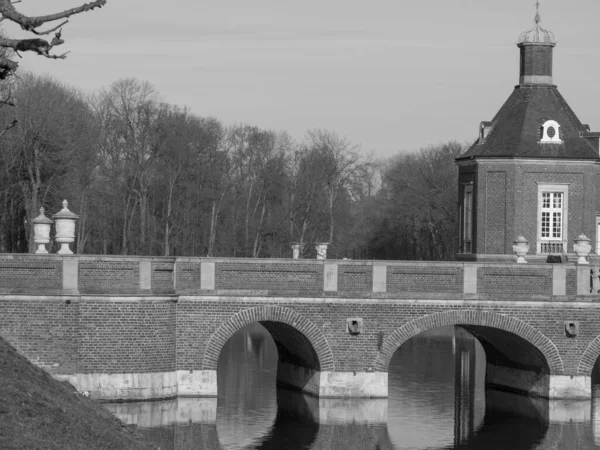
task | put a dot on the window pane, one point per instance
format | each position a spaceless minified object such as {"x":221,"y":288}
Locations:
{"x":545,"y":224}
{"x":546,"y":200}
{"x":557,"y":200}
{"x":557,"y":225}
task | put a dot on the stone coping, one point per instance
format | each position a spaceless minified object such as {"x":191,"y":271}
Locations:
{"x":533,"y":260}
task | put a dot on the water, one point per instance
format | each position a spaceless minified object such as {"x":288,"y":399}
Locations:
{"x":437,"y":400}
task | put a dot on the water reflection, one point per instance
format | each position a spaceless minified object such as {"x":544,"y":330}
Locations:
{"x":247,"y":402}
{"x":437,"y":400}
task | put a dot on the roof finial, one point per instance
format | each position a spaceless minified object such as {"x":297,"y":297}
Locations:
{"x":537,"y":35}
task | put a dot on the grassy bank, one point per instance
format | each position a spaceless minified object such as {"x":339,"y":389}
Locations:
{"x":38,"y":412}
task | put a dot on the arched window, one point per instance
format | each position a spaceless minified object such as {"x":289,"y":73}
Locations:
{"x":551,"y":132}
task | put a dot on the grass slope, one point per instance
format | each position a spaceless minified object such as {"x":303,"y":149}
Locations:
{"x":38,"y":412}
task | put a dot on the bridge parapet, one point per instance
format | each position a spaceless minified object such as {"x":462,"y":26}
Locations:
{"x":134,"y":275}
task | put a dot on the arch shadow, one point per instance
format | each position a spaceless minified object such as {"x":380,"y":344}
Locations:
{"x":298,"y":340}
{"x":545,"y":352}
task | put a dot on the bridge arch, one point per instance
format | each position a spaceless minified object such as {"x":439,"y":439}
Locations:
{"x":589,"y":358}
{"x":302,"y":334}
{"x":472,"y":320}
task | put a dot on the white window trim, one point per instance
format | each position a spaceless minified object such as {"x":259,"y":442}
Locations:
{"x":546,"y":187}
{"x":597,"y":234}
{"x":467,"y":222}
{"x":545,"y":137}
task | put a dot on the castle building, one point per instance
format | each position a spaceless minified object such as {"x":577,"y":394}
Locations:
{"x":534,"y":170}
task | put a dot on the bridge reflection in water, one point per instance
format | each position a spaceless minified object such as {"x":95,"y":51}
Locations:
{"x":437,"y":400}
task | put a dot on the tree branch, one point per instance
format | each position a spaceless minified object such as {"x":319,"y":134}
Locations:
{"x":7,"y":67}
{"x":27,"y":23}
{"x":9,"y":126}
{"x":51,"y":30}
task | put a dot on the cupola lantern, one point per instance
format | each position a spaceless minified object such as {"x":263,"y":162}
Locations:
{"x":536,"y":54}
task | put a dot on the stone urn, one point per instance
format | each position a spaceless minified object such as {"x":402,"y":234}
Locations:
{"x":321,"y":249}
{"x":582,"y":248}
{"x":520,"y":249}
{"x":64,"y":221}
{"x":295,"y":250}
{"x":41,"y":232}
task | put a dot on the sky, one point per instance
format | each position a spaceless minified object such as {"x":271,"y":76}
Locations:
{"x":391,"y":76}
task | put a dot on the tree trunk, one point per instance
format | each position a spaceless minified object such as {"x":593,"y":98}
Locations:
{"x":256,"y":248}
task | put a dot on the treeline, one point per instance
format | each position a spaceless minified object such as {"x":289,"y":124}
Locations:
{"x":149,"y":178}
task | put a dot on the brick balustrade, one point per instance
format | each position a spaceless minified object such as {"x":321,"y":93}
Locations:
{"x":123,"y":275}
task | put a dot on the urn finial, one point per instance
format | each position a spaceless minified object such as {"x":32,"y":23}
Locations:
{"x":582,"y":248}
{"x":65,"y":228}
{"x":41,"y":232}
{"x":520,"y":249}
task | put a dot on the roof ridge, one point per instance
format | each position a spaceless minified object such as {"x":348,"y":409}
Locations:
{"x":522,"y":130}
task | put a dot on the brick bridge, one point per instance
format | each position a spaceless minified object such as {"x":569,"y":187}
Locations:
{"x":153,"y":327}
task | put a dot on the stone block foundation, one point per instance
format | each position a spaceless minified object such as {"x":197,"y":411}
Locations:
{"x":534,"y":384}
{"x":328,"y":384}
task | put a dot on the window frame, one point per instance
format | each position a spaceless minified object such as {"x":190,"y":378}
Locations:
{"x":553,"y":188}
{"x":467,"y":218}
{"x":597,"y":246}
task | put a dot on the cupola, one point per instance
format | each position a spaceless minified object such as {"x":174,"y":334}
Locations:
{"x":534,"y":170}
{"x":536,"y":53}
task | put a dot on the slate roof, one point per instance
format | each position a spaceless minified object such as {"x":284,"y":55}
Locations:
{"x":517,"y":128}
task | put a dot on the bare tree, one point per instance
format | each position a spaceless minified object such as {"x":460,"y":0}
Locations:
{"x":127,"y":111}
{"x":51,"y":139}
{"x":34,"y":24}
{"x":418,"y":201}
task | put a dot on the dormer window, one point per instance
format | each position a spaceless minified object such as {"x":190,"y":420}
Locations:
{"x":551,"y":132}
{"x":484,"y":130}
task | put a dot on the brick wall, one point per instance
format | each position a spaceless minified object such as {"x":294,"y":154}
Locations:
{"x":126,"y":336}
{"x":495,"y":220}
{"x":113,"y":331}
{"x":508,"y":202}
{"x":45,"y":330}
{"x":27,"y":274}
{"x":518,"y":282}
{"x":188,"y":274}
{"x":421,"y":278}
{"x":540,"y":323}
{"x":163,"y":276}
{"x":88,"y":275}
{"x":355,"y":278}
{"x":109,"y":276}
{"x":281,"y":275}
{"x":536,"y":60}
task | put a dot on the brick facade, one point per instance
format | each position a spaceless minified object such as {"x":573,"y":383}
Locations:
{"x":506,"y":203}
{"x":18,"y":272}
{"x":536,"y":60}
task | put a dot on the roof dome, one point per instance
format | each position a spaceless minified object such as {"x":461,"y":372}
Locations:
{"x":537,"y":35}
